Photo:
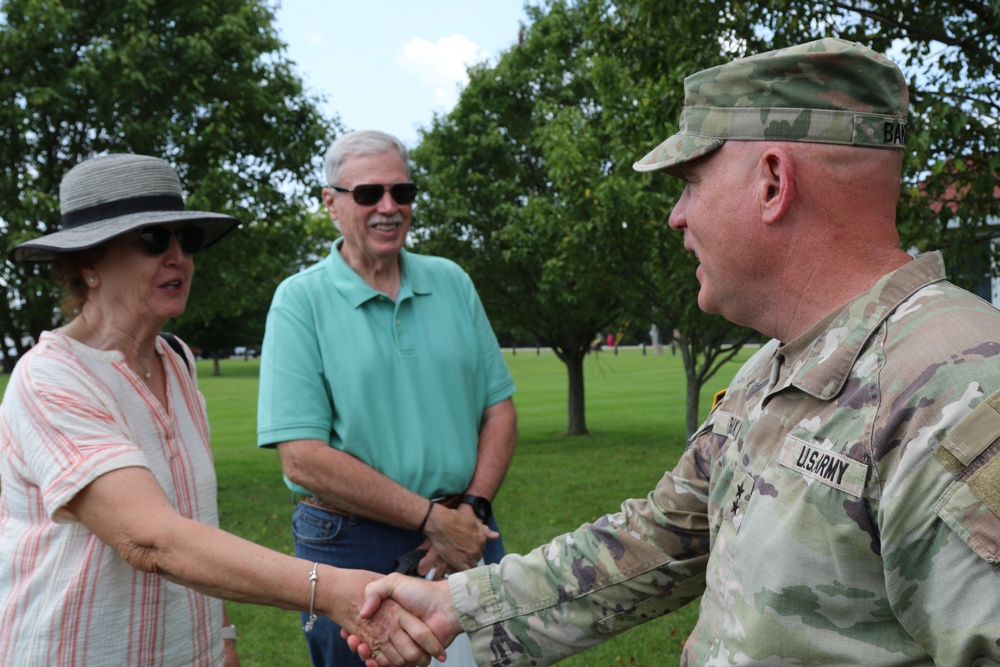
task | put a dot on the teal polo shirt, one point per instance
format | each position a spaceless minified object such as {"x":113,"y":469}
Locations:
{"x":400,"y":385}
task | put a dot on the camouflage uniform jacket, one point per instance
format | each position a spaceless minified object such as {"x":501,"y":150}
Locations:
{"x":834,"y":509}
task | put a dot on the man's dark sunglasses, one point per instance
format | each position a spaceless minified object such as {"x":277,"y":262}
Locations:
{"x":155,"y":240}
{"x":370,"y":194}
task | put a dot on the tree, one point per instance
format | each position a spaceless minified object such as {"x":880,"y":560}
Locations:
{"x":205,"y":86}
{"x":530,"y":185}
{"x":521,"y":189}
{"x":644,"y":55}
{"x":706,"y":342}
{"x":218,"y":331}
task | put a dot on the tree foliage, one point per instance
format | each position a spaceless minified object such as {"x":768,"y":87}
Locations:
{"x":517,"y":190}
{"x":529,"y":184}
{"x":204,"y":85}
{"x":646,"y":53}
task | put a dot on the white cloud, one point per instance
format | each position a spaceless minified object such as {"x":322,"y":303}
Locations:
{"x":441,"y":65}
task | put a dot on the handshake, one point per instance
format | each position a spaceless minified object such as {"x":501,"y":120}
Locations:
{"x":404,"y":620}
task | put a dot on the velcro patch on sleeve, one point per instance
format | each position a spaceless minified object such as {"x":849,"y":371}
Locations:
{"x":976,"y":432}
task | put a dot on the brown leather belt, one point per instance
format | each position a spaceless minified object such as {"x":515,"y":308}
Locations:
{"x":313,"y":501}
{"x":451,"y":502}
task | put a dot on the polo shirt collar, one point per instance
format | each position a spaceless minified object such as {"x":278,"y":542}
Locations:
{"x":413,"y":279}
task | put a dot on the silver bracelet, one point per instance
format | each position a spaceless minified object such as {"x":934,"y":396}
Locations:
{"x":312,"y":599}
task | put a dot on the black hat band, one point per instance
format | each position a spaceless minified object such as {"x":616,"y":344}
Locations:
{"x":122,"y":207}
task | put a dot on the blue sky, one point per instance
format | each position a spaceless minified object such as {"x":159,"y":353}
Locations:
{"x":391,"y":64}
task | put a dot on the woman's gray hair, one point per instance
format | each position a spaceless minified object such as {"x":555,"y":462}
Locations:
{"x":362,"y":142}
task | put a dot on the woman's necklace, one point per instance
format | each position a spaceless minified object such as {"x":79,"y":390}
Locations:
{"x":145,"y":373}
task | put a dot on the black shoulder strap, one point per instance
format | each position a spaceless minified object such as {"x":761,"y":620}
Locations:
{"x":176,"y":345}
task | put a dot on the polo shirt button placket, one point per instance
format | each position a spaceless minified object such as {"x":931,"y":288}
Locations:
{"x":403,"y":344}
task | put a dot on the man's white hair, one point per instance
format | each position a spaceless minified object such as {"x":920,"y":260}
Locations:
{"x":362,"y":142}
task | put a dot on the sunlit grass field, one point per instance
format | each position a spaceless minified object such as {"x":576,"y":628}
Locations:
{"x":635,"y":414}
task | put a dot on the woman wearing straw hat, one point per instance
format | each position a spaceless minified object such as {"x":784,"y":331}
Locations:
{"x":109,"y":546}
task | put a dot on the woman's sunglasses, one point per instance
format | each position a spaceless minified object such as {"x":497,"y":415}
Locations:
{"x":155,"y":240}
{"x":370,"y":194}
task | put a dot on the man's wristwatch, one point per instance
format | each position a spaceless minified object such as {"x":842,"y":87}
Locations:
{"x":481,"y":507}
{"x":229,"y":632}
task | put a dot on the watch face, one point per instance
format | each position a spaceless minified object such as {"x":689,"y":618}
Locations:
{"x":481,"y":507}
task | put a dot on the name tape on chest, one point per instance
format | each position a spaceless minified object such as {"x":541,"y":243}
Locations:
{"x":828,"y":467}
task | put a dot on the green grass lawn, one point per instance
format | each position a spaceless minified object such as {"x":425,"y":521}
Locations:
{"x":635,"y":413}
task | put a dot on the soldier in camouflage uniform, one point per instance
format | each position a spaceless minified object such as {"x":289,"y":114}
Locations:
{"x":840,"y":504}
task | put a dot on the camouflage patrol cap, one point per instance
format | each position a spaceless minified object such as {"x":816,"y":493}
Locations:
{"x":829,"y":91}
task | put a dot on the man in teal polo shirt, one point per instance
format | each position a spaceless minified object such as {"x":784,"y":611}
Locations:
{"x":385,"y":392}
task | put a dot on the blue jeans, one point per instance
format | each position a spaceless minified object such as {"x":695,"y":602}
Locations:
{"x":355,"y":543}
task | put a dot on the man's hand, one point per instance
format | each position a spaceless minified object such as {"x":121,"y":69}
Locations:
{"x":432,"y":562}
{"x":457,"y":538}
{"x":429,"y":601}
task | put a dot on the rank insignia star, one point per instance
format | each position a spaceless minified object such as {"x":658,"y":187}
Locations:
{"x":739,"y":496}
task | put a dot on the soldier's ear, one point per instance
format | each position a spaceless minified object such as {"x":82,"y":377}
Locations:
{"x":775,"y":184}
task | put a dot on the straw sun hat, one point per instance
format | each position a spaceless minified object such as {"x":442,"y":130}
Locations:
{"x":107,"y":196}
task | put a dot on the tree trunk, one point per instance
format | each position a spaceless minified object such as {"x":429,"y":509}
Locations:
{"x":577,"y":406}
{"x":693,"y":398}
{"x":693,"y":393}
